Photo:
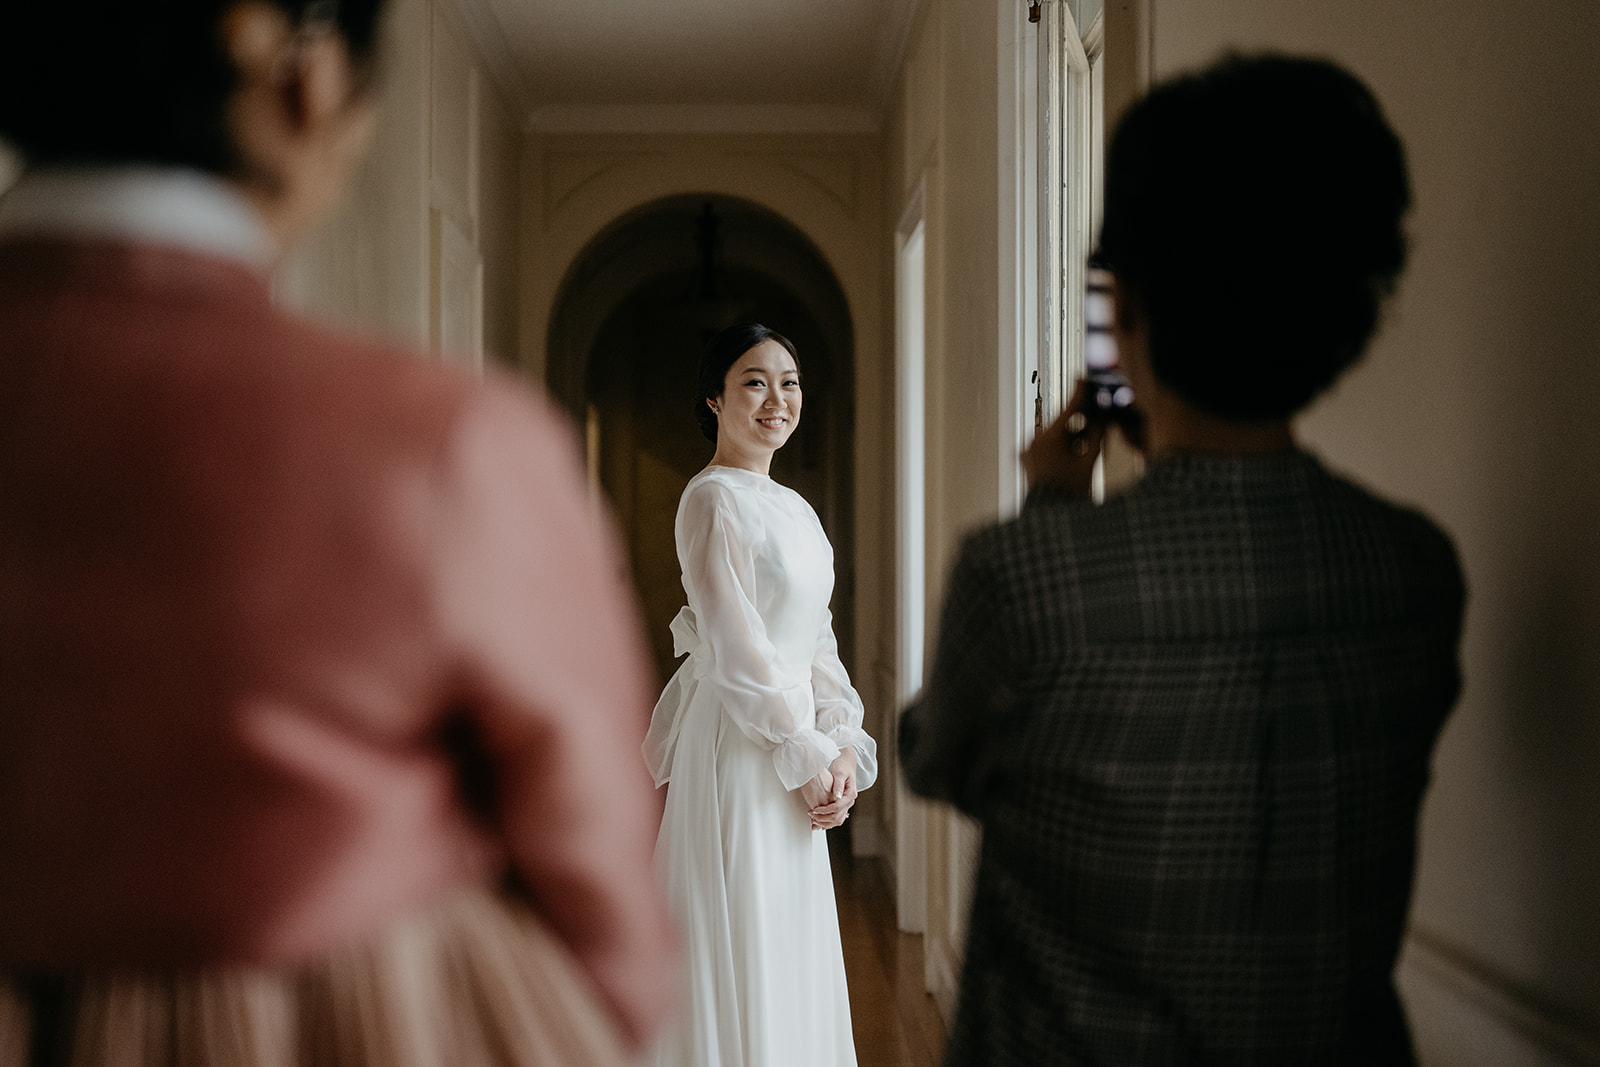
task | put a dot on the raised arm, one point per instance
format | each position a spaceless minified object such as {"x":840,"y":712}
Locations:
{"x":943,"y":736}
{"x":770,"y":704}
{"x":554,"y":677}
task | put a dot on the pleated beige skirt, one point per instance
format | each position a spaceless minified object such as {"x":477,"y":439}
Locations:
{"x":480,"y":981}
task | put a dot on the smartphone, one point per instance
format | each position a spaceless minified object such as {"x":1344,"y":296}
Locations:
{"x":1110,"y":397}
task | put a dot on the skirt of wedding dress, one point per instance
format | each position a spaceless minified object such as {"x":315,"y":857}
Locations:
{"x":749,"y":882}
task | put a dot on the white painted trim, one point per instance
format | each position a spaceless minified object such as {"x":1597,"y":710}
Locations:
{"x":1442,"y":979}
{"x":1017,"y":343}
{"x":488,"y":37}
{"x":910,"y":614}
{"x":911,"y":215}
{"x":939,"y":975}
{"x":1094,"y":38}
{"x":1051,"y":125}
{"x":699,"y":118}
{"x":910,"y":860}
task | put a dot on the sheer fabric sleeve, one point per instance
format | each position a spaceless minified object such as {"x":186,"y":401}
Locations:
{"x":771,"y":706}
{"x":839,"y":710}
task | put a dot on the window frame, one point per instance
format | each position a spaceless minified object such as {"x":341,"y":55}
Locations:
{"x":1070,"y":173}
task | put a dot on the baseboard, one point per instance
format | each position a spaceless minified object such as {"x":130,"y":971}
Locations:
{"x":939,"y":968}
{"x":1464,"y":1013}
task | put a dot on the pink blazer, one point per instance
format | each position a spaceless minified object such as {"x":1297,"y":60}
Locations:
{"x":297,"y":634}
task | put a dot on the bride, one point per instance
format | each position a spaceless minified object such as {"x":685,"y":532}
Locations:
{"x":759,"y":734}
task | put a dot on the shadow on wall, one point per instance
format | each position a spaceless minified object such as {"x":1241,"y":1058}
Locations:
{"x":631,"y":319}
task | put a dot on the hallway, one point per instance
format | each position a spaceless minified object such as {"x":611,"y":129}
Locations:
{"x":896,"y":1022}
{"x":939,"y":159}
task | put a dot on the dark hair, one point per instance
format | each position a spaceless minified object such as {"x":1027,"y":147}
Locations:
{"x":720,"y":353}
{"x":1253,"y":210}
{"x":120,"y":81}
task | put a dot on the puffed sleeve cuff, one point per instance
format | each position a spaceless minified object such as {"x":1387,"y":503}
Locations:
{"x":866,"y":752}
{"x":802,"y":757}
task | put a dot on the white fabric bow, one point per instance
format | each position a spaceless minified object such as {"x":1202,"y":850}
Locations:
{"x":686,"y":641}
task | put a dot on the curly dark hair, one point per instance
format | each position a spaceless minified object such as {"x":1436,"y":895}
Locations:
{"x":1253,"y":210}
{"x":120,"y":81}
{"x":719,"y":355}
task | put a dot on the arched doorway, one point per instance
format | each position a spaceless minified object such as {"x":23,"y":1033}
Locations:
{"x":630,"y":320}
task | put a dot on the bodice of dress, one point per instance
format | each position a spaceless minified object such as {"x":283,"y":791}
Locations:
{"x":758,"y":573}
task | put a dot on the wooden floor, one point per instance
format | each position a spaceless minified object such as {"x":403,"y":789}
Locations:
{"x":896,"y":1023}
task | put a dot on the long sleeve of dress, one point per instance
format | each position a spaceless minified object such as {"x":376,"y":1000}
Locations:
{"x":839,"y":711}
{"x":771,"y":702}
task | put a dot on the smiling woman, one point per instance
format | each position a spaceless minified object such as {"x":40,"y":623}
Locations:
{"x":755,"y":405}
{"x":759,"y":735}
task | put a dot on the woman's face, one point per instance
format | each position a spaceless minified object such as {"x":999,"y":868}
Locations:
{"x":760,"y":402}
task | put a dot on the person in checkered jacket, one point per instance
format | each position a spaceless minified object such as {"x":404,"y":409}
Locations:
{"x":1195,"y":721}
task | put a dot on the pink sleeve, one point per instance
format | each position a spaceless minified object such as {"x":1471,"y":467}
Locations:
{"x":555,"y":678}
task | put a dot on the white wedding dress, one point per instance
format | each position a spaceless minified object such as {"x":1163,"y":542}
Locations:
{"x":760,"y":706}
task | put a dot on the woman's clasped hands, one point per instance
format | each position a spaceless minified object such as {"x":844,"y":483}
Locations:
{"x":832,"y":793}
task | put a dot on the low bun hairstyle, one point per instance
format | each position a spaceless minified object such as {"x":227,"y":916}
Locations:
{"x":719,"y":355}
{"x":115,"y":82}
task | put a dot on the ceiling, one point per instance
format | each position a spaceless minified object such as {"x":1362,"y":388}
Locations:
{"x":683,"y":65}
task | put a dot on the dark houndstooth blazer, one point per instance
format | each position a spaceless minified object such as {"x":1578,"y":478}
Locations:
{"x":1195,"y":724}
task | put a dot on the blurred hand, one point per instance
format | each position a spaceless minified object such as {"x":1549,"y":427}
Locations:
{"x":1063,"y":454}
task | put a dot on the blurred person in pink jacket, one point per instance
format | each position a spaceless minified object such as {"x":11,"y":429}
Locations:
{"x":322,"y":689}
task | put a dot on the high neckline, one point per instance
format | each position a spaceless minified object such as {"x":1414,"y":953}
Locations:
{"x":741,"y":470}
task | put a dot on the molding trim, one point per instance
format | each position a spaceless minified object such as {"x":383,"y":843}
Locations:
{"x":894,"y":38}
{"x":699,"y":118}
{"x":910,"y":216}
{"x":1524,"y":1011}
{"x":1020,"y":241}
{"x":939,"y":973}
{"x":489,"y":38}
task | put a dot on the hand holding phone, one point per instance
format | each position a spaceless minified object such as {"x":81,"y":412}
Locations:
{"x":1063,"y":454}
{"x":1108,"y":396}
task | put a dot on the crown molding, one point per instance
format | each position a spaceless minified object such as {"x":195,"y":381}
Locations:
{"x":700,"y":118}
{"x":894,"y":38}
{"x":489,"y":37}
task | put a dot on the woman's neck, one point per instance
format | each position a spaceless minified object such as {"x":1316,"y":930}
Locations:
{"x":1173,"y":426}
{"x":758,"y":462}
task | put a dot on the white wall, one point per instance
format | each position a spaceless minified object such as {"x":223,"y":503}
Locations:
{"x":947,"y":140}
{"x":446,"y":154}
{"x":1479,"y":403}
